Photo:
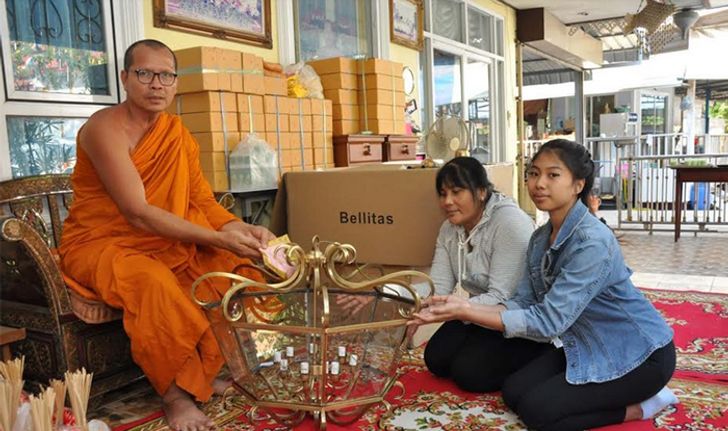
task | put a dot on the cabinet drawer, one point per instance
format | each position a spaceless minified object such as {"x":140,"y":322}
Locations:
{"x":399,"y":151}
{"x":365,"y":152}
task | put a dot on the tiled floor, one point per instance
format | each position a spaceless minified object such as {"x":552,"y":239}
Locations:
{"x":694,"y":263}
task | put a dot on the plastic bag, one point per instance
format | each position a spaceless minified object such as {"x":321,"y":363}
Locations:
{"x":253,"y":165}
{"x":307,"y":78}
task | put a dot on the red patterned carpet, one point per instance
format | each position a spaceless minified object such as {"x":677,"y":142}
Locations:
{"x":700,"y":322}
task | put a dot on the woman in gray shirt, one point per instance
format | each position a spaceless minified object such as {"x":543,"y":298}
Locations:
{"x":481,"y":253}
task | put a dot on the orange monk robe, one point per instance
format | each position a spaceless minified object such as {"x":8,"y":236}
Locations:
{"x":147,"y":276}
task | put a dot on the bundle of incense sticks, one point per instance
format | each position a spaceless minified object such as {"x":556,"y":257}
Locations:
{"x":11,"y":385}
{"x":60,"y":388}
{"x":41,"y":410}
{"x":78,"y":385}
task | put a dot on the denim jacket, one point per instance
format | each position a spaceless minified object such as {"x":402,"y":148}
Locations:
{"x":579,"y":290}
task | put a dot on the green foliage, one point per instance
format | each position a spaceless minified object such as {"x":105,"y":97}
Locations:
{"x":719,"y":109}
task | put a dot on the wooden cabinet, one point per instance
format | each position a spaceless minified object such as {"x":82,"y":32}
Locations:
{"x":400,"y":147}
{"x":358,"y":149}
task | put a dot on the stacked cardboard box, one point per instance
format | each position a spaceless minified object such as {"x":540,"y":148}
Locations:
{"x":367,"y":95}
{"x":223,"y":96}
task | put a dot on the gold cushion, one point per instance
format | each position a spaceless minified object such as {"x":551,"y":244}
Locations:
{"x":91,"y":311}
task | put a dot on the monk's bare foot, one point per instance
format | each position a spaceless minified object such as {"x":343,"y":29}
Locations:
{"x":219,"y":386}
{"x":182,"y":412}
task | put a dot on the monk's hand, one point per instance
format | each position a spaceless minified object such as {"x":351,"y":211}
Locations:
{"x":353,"y":303}
{"x":264,"y":235}
{"x":241,"y":243}
{"x":440,"y":309}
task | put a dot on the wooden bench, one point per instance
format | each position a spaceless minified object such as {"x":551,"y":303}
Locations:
{"x":62,"y":330}
{"x":9,"y":335}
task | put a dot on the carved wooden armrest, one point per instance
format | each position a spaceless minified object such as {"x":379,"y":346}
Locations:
{"x":15,"y":230}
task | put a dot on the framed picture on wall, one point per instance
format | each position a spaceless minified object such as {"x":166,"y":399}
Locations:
{"x":246,"y":21}
{"x":406,"y":22}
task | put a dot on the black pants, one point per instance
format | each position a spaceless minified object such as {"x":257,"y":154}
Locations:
{"x":533,"y":379}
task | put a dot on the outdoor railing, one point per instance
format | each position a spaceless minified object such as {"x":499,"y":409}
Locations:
{"x":635,"y":172}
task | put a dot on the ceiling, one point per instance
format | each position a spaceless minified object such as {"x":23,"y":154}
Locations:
{"x":605,"y":20}
{"x":579,"y":11}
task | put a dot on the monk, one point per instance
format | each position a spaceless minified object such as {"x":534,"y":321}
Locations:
{"x":144,"y":225}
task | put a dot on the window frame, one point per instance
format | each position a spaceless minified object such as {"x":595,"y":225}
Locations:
{"x":20,"y":95}
{"x":496,"y":70}
{"x":128,"y":19}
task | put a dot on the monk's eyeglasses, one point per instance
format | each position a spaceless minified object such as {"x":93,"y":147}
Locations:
{"x":147,"y":76}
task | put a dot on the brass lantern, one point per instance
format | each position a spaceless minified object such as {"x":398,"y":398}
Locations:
{"x":292,"y":349}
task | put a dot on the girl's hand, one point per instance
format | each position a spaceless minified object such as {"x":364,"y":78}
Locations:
{"x":440,"y":309}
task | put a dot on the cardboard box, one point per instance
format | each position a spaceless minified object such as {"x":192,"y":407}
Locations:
{"x":215,"y":141}
{"x":199,"y":69}
{"x":323,"y":157}
{"x":334,"y":65}
{"x":317,"y":123}
{"x":218,"y":180}
{"x":307,"y":140}
{"x":295,"y":122}
{"x":275,"y":104}
{"x":378,"y":127}
{"x":275,"y":122}
{"x":317,"y":106}
{"x":346,"y":127}
{"x":335,"y":81}
{"x":294,"y":106}
{"x":210,"y":122}
{"x":304,"y":106}
{"x":382,"y":112}
{"x":346,"y":97}
{"x":213,"y":161}
{"x":328,"y":107}
{"x":205,"y":101}
{"x":382,"y":67}
{"x":345,"y":112}
{"x":381,"y":97}
{"x":272,"y":139}
{"x":394,"y":220}
{"x":250,"y":103}
{"x":251,"y":122}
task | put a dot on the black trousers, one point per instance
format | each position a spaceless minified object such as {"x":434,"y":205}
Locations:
{"x":532,"y":377}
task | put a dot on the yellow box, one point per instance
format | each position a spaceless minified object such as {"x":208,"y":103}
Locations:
{"x":381,"y":112}
{"x":346,"y":127}
{"x":244,"y":122}
{"x":378,"y":127}
{"x":382,"y":67}
{"x":205,"y":101}
{"x":272,"y":139}
{"x":346,"y":97}
{"x":307,"y":140}
{"x":248,"y":102}
{"x":335,"y":81}
{"x":218,"y":180}
{"x":305,"y":106}
{"x":275,"y":122}
{"x":307,"y":126}
{"x":210,"y":122}
{"x":213,"y":161}
{"x":295,"y":122}
{"x":273,"y":104}
{"x":334,"y":65}
{"x":317,"y":106}
{"x":345,"y":112}
{"x":194,"y":82}
{"x":293,"y":106}
{"x":198,"y":69}
{"x":323,"y":157}
{"x":275,"y":85}
{"x":296,"y":139}
{"x":215,"y":141}
{"x":318,"y":140}
{"x":317,"y":123}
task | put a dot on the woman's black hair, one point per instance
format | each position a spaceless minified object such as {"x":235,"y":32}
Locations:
{"x":466,"y":173}
{"x":576,"y":158}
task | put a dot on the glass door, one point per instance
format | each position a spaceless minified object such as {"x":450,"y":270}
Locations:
{"x":477,"y":93}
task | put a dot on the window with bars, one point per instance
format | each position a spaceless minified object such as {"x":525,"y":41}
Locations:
{"x":59,"y":67}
